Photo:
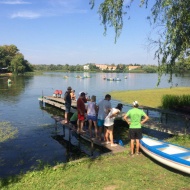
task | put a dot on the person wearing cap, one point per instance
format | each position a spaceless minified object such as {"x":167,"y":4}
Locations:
{"x":81,"y":112}
{"x":67,"y":98}
{"x":109,"y":124}
{"x":134,"y":118}
{"x":104,"y":106}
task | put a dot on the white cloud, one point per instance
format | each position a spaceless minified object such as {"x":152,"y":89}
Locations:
{"x":26,"y":14}
{"x":14,"y":2}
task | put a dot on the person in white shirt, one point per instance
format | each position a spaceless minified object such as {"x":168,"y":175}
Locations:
{"x":92,"y":115}
{"x":109,"y":124}
{"x":104,"y":106}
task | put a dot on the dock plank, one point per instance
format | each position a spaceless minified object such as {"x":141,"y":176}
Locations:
{"x":58,"y":104}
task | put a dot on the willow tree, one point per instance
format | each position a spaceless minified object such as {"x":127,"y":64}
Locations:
{"x":172,"y":20}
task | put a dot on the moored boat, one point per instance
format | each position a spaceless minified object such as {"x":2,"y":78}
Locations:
{"x":174,"y":156}
{"x":117,"y":79}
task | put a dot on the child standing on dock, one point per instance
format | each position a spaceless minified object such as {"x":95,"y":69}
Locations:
{"x":109,"y":124}
{"x":92,"y":115}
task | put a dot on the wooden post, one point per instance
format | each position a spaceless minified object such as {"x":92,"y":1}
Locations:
{"x":63,"y":130}
{"x":91,"y":147}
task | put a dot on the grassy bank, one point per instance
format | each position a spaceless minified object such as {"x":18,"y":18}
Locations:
{"x":107,"y":173}
{"x":150,"y":97}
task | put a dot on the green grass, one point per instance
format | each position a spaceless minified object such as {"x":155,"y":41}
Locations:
{"x":151,"y":98}
{"x":106,"y":172}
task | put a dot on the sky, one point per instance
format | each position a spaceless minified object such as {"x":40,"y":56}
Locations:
{"x":70,"y":32}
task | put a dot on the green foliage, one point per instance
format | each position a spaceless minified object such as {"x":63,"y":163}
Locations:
{"x":173,"y":101}
{"x":11,"y":58}
{"x":150,"y":69}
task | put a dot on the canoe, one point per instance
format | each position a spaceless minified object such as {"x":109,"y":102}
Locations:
{"x":174,"y":156}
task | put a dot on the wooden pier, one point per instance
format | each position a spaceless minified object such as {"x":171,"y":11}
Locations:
{"x":86,"y":137}
{"x":57,"y":102}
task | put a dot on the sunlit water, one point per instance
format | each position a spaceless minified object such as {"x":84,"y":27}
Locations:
{"x":19,"y":105}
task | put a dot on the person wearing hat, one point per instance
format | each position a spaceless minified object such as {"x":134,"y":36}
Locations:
{"x":134,"y":118}
{"x":109,"y":124}
{"x":67,"y":98}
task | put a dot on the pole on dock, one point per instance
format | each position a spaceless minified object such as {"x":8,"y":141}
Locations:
{"x":91,"y":147}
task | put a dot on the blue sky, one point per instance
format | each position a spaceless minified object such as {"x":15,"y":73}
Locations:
{"x":69,"y":32}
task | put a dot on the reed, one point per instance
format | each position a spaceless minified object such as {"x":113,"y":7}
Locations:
{"x":172,"y":101}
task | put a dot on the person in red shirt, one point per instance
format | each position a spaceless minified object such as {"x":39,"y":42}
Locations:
{"x":81,"y":112}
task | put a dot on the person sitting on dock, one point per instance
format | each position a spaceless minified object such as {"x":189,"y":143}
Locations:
{"x":81,"y":112}
{"x":91,"y":115}
{"x":135,"y":131}
{"x":104,"y":106}
{"x":67,"y":98}
{"x":109,"y":124}
{"x":73,"y":119}
{"x":73,"y":96}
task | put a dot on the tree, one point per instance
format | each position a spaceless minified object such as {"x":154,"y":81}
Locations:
{"x":17,"y":64}
{"x":11,"y":58}
{"x":171,"y":18}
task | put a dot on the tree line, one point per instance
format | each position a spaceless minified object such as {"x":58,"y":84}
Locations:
{"x":12,"y":60}
{"x":120,"y":68}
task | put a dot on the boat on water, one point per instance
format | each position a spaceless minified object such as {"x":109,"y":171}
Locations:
{"x":86,"y":76}
{"x":113,"y":79}
{"x":117,"y":79}
{"x":174,"y":156}
{"x":79,"y":77}
{"x":65,"y":77}
{"x":125,"y":77}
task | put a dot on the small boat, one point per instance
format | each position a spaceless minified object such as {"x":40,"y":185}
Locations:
{"x":110,"y":79}
{"x":65,"y":77}
{"x":79,"y":77}
{"x":117,"y":79}
{"x":125,"y":77}
{"x":174,"y":156}
{"x":86,"y":76}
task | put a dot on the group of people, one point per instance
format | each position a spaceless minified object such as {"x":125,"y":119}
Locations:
{"x":102,"y":115}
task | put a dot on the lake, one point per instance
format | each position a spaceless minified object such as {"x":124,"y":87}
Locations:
{"x":19,"y":106}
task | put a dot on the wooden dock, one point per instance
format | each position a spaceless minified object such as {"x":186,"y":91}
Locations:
{"x":86,"y":137}
{"x":57,"y":102}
